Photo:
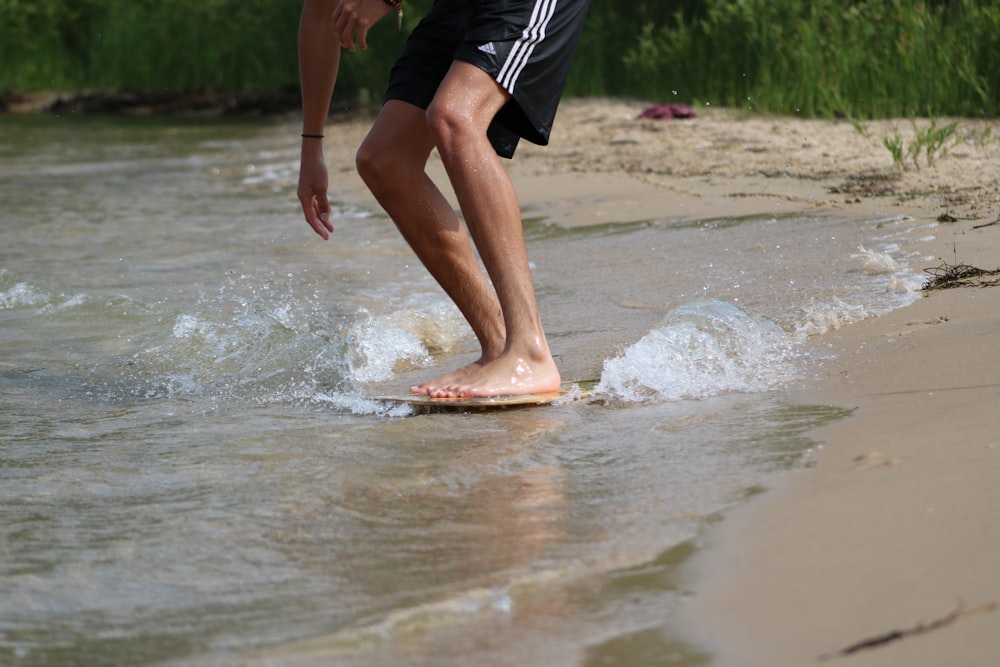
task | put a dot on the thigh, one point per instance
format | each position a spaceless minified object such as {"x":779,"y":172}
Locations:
{"x":400,"y":133}
{"x":527,"y":46}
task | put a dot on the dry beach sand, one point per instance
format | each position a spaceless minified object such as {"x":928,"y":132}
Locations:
{"x":892,"y":528}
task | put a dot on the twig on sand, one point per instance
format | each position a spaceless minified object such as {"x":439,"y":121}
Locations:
{"x":960,"y":275}
{"x":920,"y":629}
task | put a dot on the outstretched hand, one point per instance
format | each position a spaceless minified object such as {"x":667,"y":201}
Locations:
{"x":357,"y":17}
{"x":313,"y":183}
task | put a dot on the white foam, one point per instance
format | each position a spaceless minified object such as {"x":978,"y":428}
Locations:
{"x":376,"y":346}
{"x":21,"y":294}
{"x":358,"y":405}
{"x":818,"y":318}
{"x":380,"y":345}
{"x":700,"y":349}
{"x":876,"y":263}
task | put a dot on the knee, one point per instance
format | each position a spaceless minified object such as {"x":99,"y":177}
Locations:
{"x":448,"y":124}
{"x":374,"y":163}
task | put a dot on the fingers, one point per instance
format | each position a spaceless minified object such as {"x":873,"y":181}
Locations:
{"x":317,"y":211}
{"x":354,"y":18}
{"x":316,"y":208}
{"x":312,"y":188}
{"x":323,"y":217}
{"x":343,"y":27}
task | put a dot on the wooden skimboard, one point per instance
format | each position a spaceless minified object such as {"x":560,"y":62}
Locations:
{"x":570,"y":391}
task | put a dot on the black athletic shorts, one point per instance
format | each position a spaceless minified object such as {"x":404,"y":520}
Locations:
{"x":526,"y":45}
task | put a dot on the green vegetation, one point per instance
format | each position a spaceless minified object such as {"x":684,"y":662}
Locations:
{"x":856,"y":58}
{"x":929,"y":140}
{"x":154,"y":47}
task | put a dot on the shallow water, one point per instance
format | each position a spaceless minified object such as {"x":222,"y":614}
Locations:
{"x":190,"y":472}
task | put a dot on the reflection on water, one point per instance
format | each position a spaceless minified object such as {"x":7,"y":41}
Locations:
{"x":191,"y":471}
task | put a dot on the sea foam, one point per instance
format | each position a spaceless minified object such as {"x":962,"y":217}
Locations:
{"x":700,"y":349}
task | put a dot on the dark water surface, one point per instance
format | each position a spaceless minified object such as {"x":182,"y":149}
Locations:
{"x":190,"y":472}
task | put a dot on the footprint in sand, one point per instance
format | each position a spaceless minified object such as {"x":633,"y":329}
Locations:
{"x":916,"y":325}
{"x":874,"y":460}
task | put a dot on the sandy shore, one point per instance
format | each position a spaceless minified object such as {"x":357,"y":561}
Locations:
{"x":892,"y":526}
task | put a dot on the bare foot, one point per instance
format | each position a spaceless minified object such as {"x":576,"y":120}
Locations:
{"x":509,"y":374}
{"x":447,"y":380}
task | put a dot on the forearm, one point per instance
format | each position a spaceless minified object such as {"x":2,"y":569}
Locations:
{"x":319,"y":61}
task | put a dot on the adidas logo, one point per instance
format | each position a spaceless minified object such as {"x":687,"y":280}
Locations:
{"x":488,"y":48}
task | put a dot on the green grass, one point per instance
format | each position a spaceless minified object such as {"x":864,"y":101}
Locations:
{"x":815,"y":58}
{"x":931,"y":141}
{"x":180,"y":46}
{"x":865,"y":59}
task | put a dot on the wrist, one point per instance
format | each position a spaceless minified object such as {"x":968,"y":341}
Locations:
{"x":311,"y":149}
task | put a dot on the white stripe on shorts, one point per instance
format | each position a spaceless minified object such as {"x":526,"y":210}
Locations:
{"x":532,"y":35}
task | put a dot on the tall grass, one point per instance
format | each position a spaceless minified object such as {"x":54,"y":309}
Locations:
{"x":860,"y":58}
{"x":158,"y":47}
{"x":863,"y":58}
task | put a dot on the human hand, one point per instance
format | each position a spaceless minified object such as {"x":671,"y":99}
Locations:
{"x":356,"y":17}
{"x":313,"y":183}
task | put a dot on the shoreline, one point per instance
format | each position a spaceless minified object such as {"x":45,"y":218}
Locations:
{"x":128,"y":103}
{"x":889,"y":528}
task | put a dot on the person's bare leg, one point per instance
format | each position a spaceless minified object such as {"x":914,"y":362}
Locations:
{"x":459,"y":116}
{"x":391,"y":161}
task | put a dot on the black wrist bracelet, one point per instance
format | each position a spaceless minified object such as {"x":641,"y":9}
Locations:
{"x":312,"y":136}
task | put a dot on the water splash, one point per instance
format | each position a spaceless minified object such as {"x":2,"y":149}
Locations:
{"x":380,"y":345}
{"x":700,"y":349}
{"x":876,"y":263}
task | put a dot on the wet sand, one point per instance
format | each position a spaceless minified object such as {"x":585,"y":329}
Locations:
{"x":892,"y":526}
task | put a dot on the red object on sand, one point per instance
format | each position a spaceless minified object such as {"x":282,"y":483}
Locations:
{"x":667,"y":111}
